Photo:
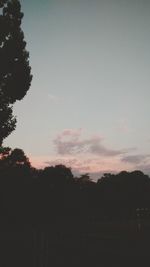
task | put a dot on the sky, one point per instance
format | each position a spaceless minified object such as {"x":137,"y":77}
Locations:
{"x":88,"y":104}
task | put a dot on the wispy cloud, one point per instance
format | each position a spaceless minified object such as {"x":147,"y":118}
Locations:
{"x":94,"y":166}
{"x":136,"y":159}
{"x":79,"y":164}
{"x":70,"y":142}
{"x":85,"y":153}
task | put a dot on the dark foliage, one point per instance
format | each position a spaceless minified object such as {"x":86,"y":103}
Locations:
{"x":15,"y":72}
{"x":54,"y":213}
{"x":54,"y":190}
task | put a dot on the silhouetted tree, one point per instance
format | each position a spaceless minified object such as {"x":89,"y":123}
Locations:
{"x":13,"y":159}
{"x":84,"y":178}
{"x":18,"y":157}
{"x":4,"y":152}
{"x":15,"y":72}
{"x":58,"y":175}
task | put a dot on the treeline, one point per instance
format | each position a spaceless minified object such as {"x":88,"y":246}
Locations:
{"x":31,"y":195}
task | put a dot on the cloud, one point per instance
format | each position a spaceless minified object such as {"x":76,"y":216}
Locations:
{"x":139,"y":162}
{"x":95,"y":166}
{"x":73,"y":133}
{"x":136,"y":159}
{"x":70,"y":142}
{"x":89,"y":154}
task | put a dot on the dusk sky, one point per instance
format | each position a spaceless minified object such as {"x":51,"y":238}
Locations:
{"x":88,"y":105}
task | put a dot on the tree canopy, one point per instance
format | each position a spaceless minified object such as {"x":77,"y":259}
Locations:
{"x":15,"y":72}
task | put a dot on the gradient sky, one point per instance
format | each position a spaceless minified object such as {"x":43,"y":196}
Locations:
{"x":88,"y":105}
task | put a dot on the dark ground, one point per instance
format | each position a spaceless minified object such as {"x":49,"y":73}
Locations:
{"x":107,"y":244}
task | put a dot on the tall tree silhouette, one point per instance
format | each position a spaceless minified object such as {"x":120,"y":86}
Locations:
{"x":15,"y":72}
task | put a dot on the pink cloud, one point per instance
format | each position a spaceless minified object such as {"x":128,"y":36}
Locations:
{"x":79,"y":164}
{"x":93,"y":165}
{"x":87,"y":154}
{"x":86,"y":164}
